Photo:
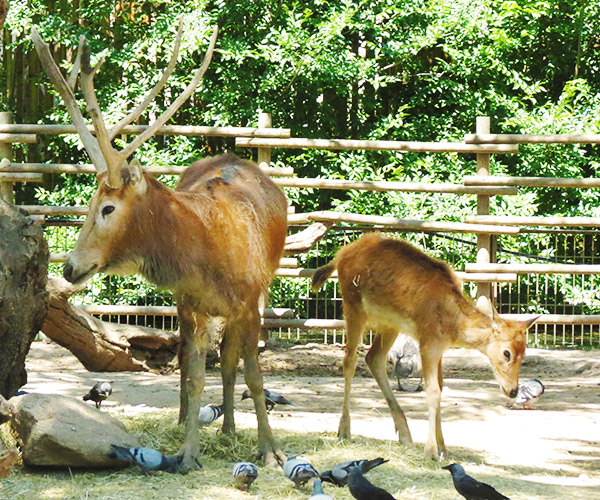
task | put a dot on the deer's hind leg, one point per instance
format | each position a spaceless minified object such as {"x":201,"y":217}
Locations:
{"x":196,"y":348}
{"x":269,"y":449}
{"x":377,"y":360}
{"x":230,"y":357}
{"x":355,"y":319}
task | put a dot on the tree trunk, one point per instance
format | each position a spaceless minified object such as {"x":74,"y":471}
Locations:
{"x":3,"y":11}
{"x":23,"y":296}
{"x":102,"y":346}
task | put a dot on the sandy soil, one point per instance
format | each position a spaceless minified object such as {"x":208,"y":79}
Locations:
{"x":559,"y":441}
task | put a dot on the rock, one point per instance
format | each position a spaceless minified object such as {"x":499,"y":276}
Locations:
{"x":56,"y":430}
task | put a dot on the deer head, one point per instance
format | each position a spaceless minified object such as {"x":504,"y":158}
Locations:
{"x":117,"y":177}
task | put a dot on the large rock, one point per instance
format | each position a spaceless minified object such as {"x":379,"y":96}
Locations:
{"x":59,"y":430}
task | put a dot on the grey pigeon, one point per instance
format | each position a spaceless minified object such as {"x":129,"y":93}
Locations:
{"x":244,"y":474}
{"x":362,"y":489}
{"x":404,"y":354}
{"x":299,"y":470}
{"x":147,"y":458}
{"x":99,"y":393}
{"x":318,"y":493}
{"x":529,"y":393}
{"x":271,"y":399}
{"x":469,"y":487}
{"x":339,"y":474}
{"x":209,"y":413}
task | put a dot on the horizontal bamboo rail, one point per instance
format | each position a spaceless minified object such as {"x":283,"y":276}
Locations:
{"x":338,"y":324}
{"x":188,"y":130}
{"x":18,"y":138}
{"x":546,"y":182}
{"x":534,"y":268}
{"x":21,"y":177}
{"x":414,"y":187}
{"x":534,"y":221}
{"x":105,"y":309}
{"x":70,"y":168}
{"x":352,"y":144}
{"x":398,"y":223}
{"x":532,"y":138}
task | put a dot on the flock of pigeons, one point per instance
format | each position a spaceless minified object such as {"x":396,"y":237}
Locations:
{"x":299,"y":470}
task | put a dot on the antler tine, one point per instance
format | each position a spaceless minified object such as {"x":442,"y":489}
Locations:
{"x":162,"y":119}
{"x":76,"y":65}
{"x":89,"y":141}
{"x":113,"y":158}
{"x":135,"y":114}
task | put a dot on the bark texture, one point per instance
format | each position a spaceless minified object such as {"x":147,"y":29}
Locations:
{"x":23,"y":296}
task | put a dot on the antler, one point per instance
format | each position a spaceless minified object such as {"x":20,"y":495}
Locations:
{"x":103,"y":155}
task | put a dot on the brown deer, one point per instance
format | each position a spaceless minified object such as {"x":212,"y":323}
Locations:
{"x":391,"y":286}
{"x":215,"y":240}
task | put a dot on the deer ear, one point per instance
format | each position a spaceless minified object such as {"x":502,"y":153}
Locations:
{"x":136,"y":175}
{"x":485,"y":306}
{"x":527,"y":323}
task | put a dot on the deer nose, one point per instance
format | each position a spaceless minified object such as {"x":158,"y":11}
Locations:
{"x":513,"y":392}
{"x":68,"y":272}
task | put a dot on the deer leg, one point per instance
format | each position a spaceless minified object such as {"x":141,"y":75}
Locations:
{"x":197,"y":347}
{"x":230,"y":356}
{"x":355,"y":323}
{"x":376,"y":360}
{"x":431,"y":359}
{"x":269,"y":449}
{"x":186,"y":328}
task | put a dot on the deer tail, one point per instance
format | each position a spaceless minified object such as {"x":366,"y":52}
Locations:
{"x":321,"y":275}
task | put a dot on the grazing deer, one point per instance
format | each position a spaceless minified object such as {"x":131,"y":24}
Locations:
{"x":391,"y":286}
{"x":215,"y":240}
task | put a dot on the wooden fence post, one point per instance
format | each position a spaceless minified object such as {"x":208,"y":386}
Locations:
{"x":484,"y":241}
{"x":6,"y":188}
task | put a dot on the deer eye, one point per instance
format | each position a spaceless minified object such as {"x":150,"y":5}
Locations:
{"x":107,"y":210}
{"x":507,"y":355}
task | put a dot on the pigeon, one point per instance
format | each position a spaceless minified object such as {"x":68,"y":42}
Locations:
{"x":469,"y":487}
{"x":99,"y":393}
{"x":362,"y":489}
{"x":271,"y":399}
{"x":318,"y":493}
{"x":529,"y":393}
{"x":404,"y":354}
{"x":8,"y":459}
{"x":209,"y":413}
{"x":299,"y":470}
{"x":7,"y":412}
{"x":147,"y":458}
{"x":244,"y":474}
{"x":339,"y":474}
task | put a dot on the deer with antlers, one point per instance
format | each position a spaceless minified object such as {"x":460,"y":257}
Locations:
{"x":392,"y":286}
{"x":215,"y":240}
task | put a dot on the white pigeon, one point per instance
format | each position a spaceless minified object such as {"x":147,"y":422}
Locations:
{"x":529,"y":393}
{"x":244,"y":474}
{"x":299,"y":470}
{"x":404,"y":354}
{"x":210,"y":413}
{"x":318,"y":493}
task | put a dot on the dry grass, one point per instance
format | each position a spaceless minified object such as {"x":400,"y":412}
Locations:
{"x":408,"y":474}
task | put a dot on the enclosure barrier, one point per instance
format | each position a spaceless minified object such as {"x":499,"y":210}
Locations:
{"x":484,"y":272}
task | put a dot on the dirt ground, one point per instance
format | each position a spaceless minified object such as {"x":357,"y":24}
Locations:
{"x":559,"y":441}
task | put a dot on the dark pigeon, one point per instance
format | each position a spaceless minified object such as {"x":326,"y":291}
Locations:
{"x":146,"y":458}
{"x":469,"y":487}
{"x":362,"y":489}
{"x":529,"y":393}
{"x":99,"y":393}
{"x":339,"y":474}
{"x":271,"y":399}
{"x":299,"y":470}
